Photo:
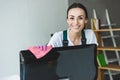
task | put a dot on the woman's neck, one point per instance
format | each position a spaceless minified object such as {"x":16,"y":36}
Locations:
{"x":75,"y":37}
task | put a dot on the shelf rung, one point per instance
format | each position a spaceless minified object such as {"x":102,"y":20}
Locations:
{"x":112,"y":72}
{"x":104,"y":37}
{"x":108,"y":24}
{"x":103,"y":30}
{"x":112,"y":60}
{"x":109,"y":48}
{"x":110,"y":67}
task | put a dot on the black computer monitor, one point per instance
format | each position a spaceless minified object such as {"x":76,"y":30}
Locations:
{"x":73,"y":63}
{"x":77,"y":63}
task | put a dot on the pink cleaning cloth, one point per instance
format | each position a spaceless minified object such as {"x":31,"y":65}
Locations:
{"x":40,"y":51}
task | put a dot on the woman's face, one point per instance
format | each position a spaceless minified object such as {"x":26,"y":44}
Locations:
{"x":76,"y":19}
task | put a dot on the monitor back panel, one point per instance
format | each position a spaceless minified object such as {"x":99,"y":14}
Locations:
{"x":78,"y":63}
{"x":74,"y":62}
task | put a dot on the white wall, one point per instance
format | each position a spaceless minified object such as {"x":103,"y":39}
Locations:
{"x":24,"y":23}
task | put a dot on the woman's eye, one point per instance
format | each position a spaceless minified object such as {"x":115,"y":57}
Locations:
{"x":72,"y":18}
{"x":80,"y":18}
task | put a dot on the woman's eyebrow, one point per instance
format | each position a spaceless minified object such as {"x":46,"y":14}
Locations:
{"x":81,"y":15}
{"x":71,"y":15}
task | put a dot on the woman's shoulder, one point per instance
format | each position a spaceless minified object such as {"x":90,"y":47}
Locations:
{"x":88,"y":30}
{"x":58,"y":33}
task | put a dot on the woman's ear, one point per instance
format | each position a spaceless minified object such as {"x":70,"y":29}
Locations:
{"x":67,"y":20}
{"x":86,"y":21}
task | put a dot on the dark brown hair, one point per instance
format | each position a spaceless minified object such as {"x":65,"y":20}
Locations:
{"x":77,"y":5}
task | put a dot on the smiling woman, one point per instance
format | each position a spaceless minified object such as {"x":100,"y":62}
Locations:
{"x":77,"y":19}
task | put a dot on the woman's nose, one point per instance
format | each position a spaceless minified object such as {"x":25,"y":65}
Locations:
{"x":76,"y":21}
